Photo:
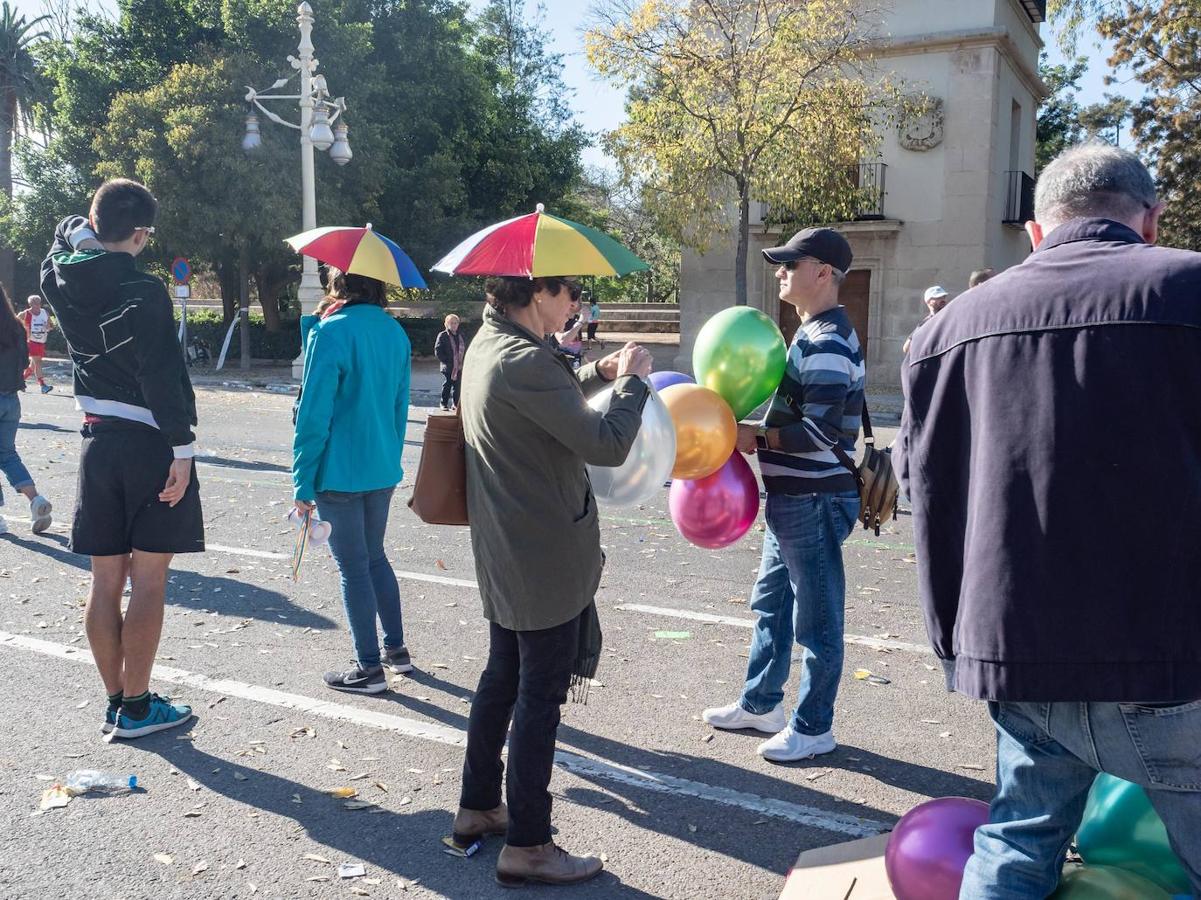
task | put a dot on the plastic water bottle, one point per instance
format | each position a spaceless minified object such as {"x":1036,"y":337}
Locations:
{"x":83,"y":780}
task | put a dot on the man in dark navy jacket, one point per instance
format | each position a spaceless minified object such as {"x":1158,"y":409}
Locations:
{"x":1051,"y":445}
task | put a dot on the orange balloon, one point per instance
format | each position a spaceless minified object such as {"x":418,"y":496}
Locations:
{"x":705,"y":429}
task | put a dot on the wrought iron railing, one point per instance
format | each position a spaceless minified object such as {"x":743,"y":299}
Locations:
{"x":1019,"y":198}
{"x":868,"y":179}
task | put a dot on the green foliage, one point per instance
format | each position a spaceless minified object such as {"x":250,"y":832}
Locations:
{"x":454,"y":122}
{"x":1059,"y":116}
{"x":739,"y":100}
{"x":1158,"y":41}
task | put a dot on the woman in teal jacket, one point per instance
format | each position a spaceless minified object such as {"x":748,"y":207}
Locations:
{"x":346,"y":461}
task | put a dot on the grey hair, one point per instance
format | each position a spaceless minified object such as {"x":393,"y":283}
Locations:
{"x":838,"y":275}
{"x":1093,"y":180}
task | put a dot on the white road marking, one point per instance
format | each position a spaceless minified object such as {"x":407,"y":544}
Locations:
{"x":734,"y":621}
{"x":588,"y":767}
{"x":858,"y":639}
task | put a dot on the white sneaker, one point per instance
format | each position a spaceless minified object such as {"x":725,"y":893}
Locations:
{"x":39,"y":513}
{"x":3,"y":526}
{"x":734,"y":717}
{"x":790,"y":745}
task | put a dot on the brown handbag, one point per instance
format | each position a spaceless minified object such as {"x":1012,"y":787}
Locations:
{"x":878,"y":486}
{"x":440,"y":491}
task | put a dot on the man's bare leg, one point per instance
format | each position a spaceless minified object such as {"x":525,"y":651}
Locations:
{"x":102,"y":619}
{"x":144,"y":618}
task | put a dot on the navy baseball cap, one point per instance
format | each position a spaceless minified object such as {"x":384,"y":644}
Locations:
{"x":823,"y":244}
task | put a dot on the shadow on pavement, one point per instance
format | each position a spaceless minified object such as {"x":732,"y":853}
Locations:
{"x":42,"y":545}
{"x":407,"y":845}
{"x":641,"y":804}
{"x":226,"y":596}
{"x":46,"y":426}
{"x":247,"y":464}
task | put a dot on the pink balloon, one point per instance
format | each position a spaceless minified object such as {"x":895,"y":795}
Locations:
{"x":717,"y":510}
{"x":930,"y":846}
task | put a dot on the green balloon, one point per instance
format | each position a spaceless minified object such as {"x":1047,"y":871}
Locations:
{"x":1105,"y":883}
{"x":1120,"y":828}
{"x":740,"y":354}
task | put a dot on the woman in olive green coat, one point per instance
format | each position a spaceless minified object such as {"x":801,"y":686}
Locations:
{"x":536,"y":540}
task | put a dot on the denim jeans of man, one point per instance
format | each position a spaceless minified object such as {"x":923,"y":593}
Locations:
{"x":369,"y":589}
{"x":800,"y":595}
{"x":525,"y":681}
{"x":10,"y":462}
{"x":1048,"y":755}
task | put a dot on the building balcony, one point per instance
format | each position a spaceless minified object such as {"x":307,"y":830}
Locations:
{"x":866,"y":178}
{"x":1019,"y":199}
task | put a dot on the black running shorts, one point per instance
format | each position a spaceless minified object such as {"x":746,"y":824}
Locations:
{"x":122,"y":468}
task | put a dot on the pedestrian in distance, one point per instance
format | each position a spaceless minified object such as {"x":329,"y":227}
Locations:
{"x":1056,"y":537}
{"x":38,"y":325}
{"x":979,"y":276}
{"x":13,"y":360}
{"x":594,"y":314}
{"x":530,"y":432}
{"x":935,"y":299}
{"x":449,"y":348}
{"x":346,"y":461}
{"x":138,"y":500}
{"x":812,"y":505}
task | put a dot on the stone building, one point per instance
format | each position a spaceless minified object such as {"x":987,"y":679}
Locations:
{"x":950,"y":189}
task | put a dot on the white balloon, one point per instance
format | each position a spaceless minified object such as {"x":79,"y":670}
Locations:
{"x":651,"y":457}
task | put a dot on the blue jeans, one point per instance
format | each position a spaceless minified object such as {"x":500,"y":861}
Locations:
{"x":10,"y":463}
{"x":369,"y":589}
{"x":800,"y":593}
{"x":1047,"y":757}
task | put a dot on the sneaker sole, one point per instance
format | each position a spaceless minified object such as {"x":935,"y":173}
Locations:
{"x":42,"y":523}
{"x":399,"y":670}
{"x":150,"y":729}
{"x":762,"y":728}
{"x":366,"y":689}
{"x":784,"y":759}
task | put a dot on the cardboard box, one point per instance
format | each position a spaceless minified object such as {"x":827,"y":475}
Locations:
{"x":850,"y":871}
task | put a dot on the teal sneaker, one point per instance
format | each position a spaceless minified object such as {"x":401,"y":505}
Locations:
{"x":161,"y":715}
{"x":110,"y":720}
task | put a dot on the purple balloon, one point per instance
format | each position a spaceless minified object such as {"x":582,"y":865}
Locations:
{"x":716,"y":510}
{"x":660,"y":380}
{"x":930,"y":846}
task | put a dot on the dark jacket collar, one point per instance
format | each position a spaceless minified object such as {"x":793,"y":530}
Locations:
{"x":1090,"y":230}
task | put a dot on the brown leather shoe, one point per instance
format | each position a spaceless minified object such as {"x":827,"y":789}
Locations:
{"x":472,"y":824}
{"x":546,"y":863}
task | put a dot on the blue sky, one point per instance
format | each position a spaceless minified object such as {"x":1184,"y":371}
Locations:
{"x":600,"y":107}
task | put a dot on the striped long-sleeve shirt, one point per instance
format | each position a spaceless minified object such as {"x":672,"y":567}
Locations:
{"x":819,"y":403}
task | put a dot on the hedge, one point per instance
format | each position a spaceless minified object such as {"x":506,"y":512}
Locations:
{"x":285,"y":343}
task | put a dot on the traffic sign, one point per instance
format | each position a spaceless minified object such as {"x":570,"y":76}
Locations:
{"x":181,"y":270}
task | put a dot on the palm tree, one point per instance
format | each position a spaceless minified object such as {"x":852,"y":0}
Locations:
{"x":18,"y":85}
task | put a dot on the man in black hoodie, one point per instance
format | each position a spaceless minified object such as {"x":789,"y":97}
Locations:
{"x":138,"y":500}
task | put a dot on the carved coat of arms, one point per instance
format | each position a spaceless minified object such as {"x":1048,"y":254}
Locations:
{"x":921,"y":126}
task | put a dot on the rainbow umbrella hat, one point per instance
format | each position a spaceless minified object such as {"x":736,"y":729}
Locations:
{"x":360,"y":251}
{"x":539,"y":245}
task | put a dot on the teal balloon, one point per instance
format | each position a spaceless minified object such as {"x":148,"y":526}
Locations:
{"x":1120,"y":828}
{"x":740,"y":355}
{"x":1106,"y":883}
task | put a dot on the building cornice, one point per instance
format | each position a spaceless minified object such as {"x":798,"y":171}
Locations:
{"x":859,"y":226}
{"x":995,"y":36}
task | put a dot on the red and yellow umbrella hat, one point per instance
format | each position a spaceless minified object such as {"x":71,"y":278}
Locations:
{"x":539,"y":245}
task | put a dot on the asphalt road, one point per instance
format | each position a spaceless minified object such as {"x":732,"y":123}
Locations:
{"x":239,"y":803}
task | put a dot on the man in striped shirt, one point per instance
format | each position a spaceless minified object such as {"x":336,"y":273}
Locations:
{"x":812,"y":505}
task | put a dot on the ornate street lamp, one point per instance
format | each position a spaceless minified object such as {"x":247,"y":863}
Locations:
{"x":318,"y":115}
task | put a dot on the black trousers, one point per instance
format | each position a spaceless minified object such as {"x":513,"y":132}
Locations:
{"x":592,"y":330}
{"x":525,"y":681}
{"x":450,"y":389}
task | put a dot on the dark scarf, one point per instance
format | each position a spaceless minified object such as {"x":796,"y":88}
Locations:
{"x":587,"y":654}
